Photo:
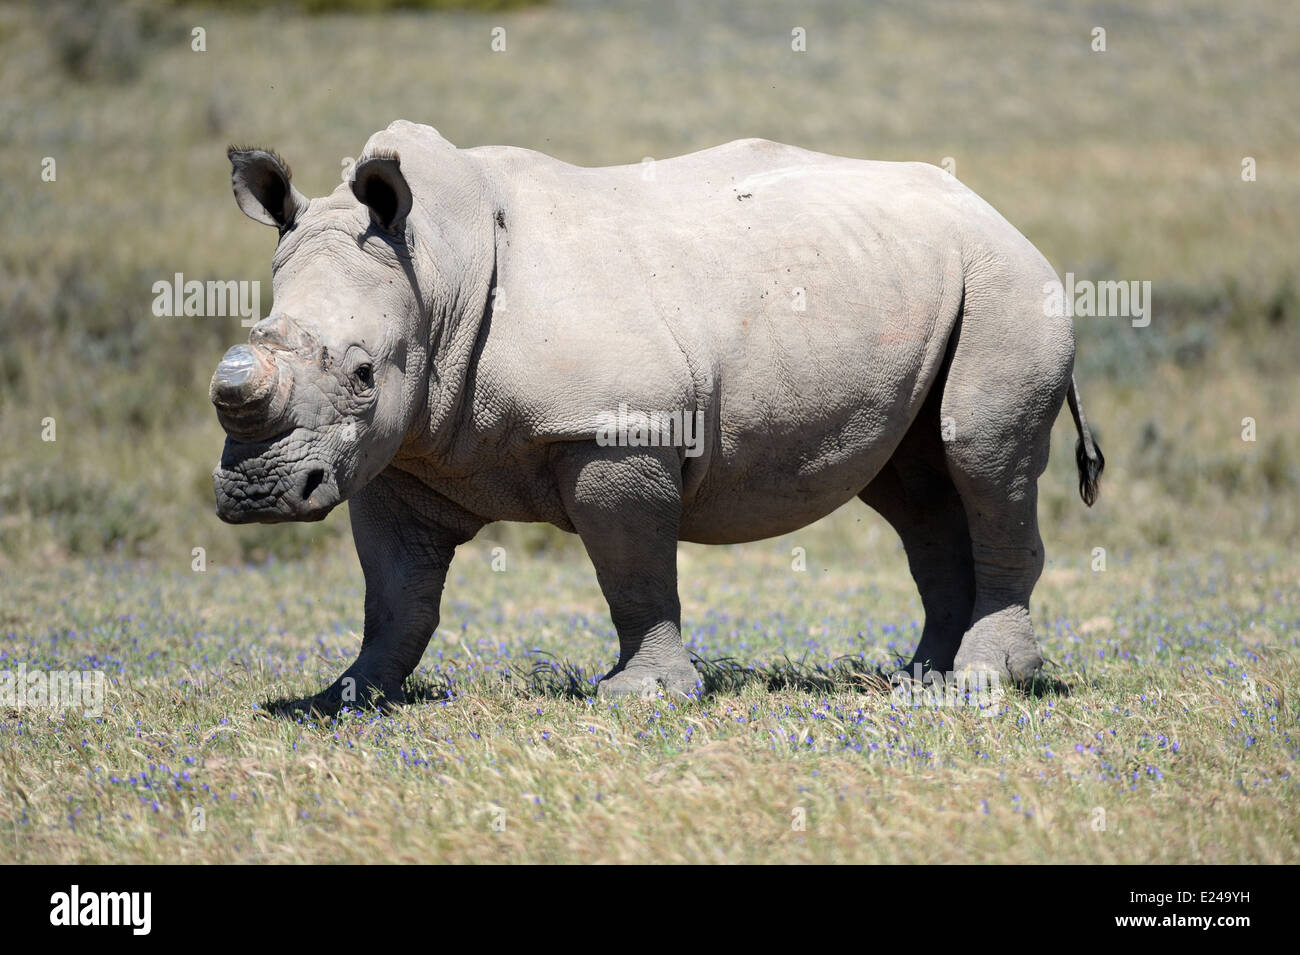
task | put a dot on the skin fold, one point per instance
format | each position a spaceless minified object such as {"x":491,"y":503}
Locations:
{"x":455,"y":331}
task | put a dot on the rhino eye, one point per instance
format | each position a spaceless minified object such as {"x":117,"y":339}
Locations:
{"x":365,"y":374}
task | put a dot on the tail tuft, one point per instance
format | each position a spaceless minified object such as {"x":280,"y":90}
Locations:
{"x":1086,"y":453}
{"x":1090,"y":469}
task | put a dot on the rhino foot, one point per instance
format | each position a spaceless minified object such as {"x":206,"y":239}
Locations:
{"x":1000,"y":647}
{"x":305,"y":708}
{"x":645,"y":682}
{"x":329,"y":702}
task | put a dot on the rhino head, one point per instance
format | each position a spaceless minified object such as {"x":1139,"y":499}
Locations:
{"x":322,"y":396}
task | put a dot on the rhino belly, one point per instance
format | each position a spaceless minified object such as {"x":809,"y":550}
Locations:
{"x":777,"y":497}
{"x":785,"y":456}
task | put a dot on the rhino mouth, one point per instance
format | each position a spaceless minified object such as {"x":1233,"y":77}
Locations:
{"x":273,"y":481}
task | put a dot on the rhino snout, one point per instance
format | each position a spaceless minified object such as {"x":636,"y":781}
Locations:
{"x":250,"y":392}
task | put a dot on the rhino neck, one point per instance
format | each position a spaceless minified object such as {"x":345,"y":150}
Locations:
{"x":459,"y":316}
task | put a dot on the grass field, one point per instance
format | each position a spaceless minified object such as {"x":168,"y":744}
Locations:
{"x":1165,"y":726}
{"x":1169,"y":719}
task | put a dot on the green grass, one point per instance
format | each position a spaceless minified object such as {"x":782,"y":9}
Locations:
{"x":1122,"y":165}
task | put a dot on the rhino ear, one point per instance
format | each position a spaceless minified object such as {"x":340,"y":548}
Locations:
{"x":378,"y":184}
{"x":260,"y":179}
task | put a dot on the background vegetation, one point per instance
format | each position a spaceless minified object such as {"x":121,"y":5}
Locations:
{"x":1118,"y":165}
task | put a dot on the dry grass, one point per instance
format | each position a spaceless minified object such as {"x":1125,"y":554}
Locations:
{"x":1170,"y":707}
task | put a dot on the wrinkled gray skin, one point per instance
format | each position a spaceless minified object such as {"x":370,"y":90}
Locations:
{"x":921,"y":375}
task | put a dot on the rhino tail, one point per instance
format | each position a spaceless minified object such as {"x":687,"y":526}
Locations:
{"x":1087,"y":455}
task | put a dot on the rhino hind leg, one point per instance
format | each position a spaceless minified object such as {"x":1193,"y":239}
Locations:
{"x":625,"y":504}
{"x":916,"y":495}
{"x":996,"y":456}
{"x":1008,"y":558}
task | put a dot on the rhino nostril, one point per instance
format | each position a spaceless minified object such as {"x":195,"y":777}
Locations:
{"x":314,"y":480}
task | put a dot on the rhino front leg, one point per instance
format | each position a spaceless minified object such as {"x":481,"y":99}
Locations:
{"x":625,"y":504}
{"x":405,"y":542}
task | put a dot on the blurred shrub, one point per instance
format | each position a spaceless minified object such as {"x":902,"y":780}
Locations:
{"x":374,"y":6}
{"x":85,"y":515}
{"x":1277,"y":466}
{"x":70,"y":320}
{"x":107,"y":39}
{"x":1188,"y":323}
{"x":258,"y":543}
{"x":1283,"y":305}
{"x":533,"y":539}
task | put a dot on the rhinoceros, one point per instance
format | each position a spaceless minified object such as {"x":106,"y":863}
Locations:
{"x":719,"y":348}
